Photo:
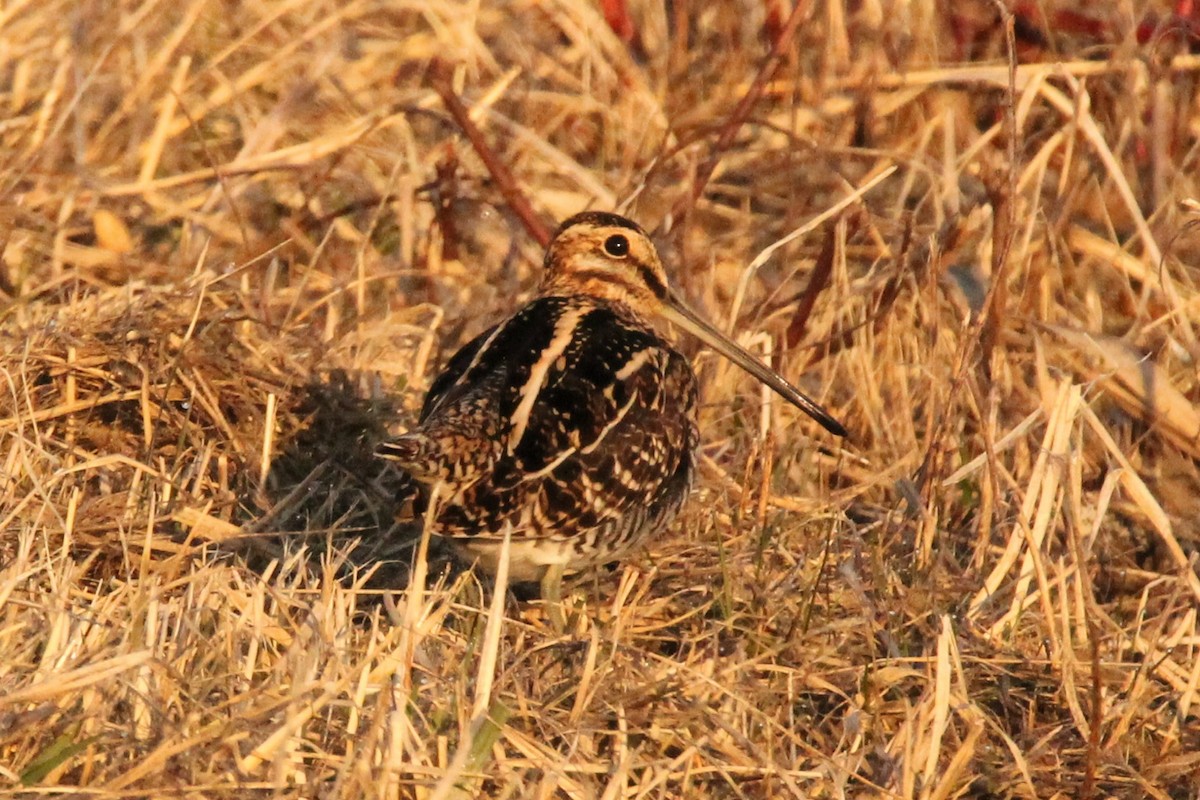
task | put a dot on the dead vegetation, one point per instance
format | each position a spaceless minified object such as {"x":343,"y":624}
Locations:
{"x":236,"y":239}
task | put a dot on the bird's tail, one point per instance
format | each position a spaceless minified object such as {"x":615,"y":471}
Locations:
{"x":410,"y":450}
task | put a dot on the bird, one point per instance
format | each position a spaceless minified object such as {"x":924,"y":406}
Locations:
{"x":570,"y":428}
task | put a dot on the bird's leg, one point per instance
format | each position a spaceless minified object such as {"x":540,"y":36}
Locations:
{"x":552,"y":596}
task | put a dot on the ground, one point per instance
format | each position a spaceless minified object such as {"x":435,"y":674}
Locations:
{"x":238,"y":239}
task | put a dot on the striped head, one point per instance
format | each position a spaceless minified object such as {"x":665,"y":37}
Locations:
{"x":596,"y":254}
{"x":608,"y":257}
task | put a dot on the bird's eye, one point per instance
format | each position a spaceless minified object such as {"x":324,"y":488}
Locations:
{"x":616,"y":246}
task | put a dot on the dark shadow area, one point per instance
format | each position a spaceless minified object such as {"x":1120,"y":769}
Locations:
{"x":328,"y":491}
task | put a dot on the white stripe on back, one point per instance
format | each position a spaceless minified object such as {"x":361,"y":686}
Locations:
{"x":564,"y":332}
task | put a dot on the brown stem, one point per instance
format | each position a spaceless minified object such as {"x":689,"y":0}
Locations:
{"x":816,"y":283}
{"x":741,"y":113}
{"x":440,"y":80}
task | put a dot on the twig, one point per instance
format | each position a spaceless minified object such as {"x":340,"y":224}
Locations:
{"x":1004,"y":224}
{"x":439,"y":74}
{"x":909,"y":265}
{"x":816,"y":283}
{"x":739,"y":116}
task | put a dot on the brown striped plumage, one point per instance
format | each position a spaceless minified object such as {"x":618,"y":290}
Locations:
{"x":573,"y":422}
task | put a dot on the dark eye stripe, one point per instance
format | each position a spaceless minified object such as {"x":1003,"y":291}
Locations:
{"x":653,"y":281}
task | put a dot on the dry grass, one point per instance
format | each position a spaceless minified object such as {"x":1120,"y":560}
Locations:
{"x":238,"y":238}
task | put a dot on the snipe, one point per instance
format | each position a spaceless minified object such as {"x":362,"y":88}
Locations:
{"x":574,"y":420}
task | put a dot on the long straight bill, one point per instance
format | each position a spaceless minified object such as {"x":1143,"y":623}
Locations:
{"x":678,"y":313}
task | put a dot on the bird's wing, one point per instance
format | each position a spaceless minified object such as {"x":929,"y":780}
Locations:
{"x":498,"y":359}
{"x":467,"y":415}
{"x":645,"y":445}
{"x":449,"y":383}
{"x":595,"y":422}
